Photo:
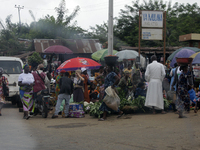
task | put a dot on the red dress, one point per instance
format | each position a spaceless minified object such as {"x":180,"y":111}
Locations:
{"x":86,"y":95}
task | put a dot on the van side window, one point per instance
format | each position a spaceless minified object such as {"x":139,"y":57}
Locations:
{"x":11,"y":67}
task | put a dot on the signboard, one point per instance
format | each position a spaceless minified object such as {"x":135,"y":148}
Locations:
{"x":152,"y":34}
{"x":152,"y":19}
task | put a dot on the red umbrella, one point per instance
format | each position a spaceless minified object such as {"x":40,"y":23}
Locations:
{"x":78,"y":63}
{"x":58,"y":49}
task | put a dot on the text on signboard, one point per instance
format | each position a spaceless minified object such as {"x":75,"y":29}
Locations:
{"x":152,"y":17}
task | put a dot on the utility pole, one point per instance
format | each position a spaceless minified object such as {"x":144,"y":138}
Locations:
{"x":110,"y":28}
{"x":19,"y":8}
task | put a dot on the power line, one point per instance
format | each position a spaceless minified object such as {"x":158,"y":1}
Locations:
{"x":103,"y":5}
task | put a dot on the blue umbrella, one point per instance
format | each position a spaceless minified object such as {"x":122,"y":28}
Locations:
{"x":180,"y":49}
{"x":185,"y":53}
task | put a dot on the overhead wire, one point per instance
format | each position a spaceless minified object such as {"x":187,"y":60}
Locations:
{"x":86,"y":6}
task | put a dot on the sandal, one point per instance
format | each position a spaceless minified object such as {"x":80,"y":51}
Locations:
{"x":54,"y":116}
{"x":26,"y":117}
{"x":182,"y":117}
{"x":120,"y":115}
{"x":163,"y":112}
{"x":177,"y":112}
{"x":101,"y":119}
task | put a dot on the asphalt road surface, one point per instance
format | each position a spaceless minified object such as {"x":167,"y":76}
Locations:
{"x":130,"y":132}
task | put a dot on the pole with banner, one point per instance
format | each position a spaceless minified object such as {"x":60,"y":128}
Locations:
{"x":152,"y":26}
{"x":110,"y":28}
{"x":139,"y":33}
{"x":165,"y":30}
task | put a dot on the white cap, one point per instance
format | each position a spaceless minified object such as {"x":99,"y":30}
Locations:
{"x":83,"y":69}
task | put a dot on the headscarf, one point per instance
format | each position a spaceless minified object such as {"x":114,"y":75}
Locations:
{"x":40,"y":66}
{"x":78,"y":71}
{"x":126,"y":72}
{"x":25,"y":66}
{"x":1,"y":70}
{"x":62,"y":71}
{"x":83,"y":69}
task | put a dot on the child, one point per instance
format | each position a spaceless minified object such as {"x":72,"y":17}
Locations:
{"x":93,"y":93}
{"x":196,"y":101}
{"x":140,"y":90}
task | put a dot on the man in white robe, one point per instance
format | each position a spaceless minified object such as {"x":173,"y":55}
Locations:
{"x":155,"y":74}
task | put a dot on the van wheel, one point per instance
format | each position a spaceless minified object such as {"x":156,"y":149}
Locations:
{"x":14,"y":100}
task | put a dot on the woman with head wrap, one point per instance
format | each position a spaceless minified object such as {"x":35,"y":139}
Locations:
{"x":2,"y":97}
{"x":58,"y":77}
{"x":112,"y":80}
{"x":26,"y":83}
{"x":184,"y":82}
{"x":125,"y":83}
{"x":85,"y":84}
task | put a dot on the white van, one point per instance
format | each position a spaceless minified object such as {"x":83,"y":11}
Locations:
{"x":12,"y":67}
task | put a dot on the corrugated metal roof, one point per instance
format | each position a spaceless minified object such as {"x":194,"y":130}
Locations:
{"x":77,"y":46}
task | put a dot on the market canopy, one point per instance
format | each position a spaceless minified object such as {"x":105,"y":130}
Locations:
{"x":58,"y":49}
{"x":100,"y":54}
{"x":78,"y":63}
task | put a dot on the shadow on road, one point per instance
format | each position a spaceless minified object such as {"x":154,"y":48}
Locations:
{"x":9,"y":105}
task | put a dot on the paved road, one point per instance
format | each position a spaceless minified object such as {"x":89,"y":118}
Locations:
{"x":131,"y":132}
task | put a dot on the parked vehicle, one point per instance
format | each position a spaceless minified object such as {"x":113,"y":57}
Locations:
{"x":42,"y":103}
{"x":12,"y":67}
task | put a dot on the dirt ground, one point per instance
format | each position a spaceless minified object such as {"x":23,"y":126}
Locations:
{"x":130,"y":132}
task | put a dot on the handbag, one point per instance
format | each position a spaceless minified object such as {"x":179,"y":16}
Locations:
{"x":40,"y":76}
{"x":5,"y":88}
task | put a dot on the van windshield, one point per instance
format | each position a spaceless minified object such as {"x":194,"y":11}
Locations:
{"x":11,"y":67}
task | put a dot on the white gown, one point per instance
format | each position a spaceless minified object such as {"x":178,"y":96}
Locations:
{"x":155,"y":74}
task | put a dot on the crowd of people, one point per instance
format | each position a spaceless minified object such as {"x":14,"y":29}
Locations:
{"x":131,"y":80}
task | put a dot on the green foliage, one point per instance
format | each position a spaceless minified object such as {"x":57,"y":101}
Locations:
{"x":166,"y":103}
{"x":181,"y":19}
{"x":139,"y":102}
{"x":94,"y":109}
{"x":35,"y":58}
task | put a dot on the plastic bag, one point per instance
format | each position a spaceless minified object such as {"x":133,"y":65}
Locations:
{"x":71,"y":99}
{"x":112,"y":100}
{"x":171,"y":95}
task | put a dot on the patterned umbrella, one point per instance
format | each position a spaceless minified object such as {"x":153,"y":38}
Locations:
{"x":78,"y":63}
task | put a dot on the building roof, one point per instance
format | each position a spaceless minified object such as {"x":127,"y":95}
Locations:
{"x":76,"y":45}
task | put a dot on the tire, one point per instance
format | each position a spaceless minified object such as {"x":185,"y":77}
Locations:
{"x":18,"y":101}
{"x":45,"y":111}
{"x":13,"y":100}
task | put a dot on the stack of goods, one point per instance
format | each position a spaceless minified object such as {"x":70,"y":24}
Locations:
{"x":76,"y":110}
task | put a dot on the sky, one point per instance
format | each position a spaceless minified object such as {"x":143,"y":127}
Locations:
{"x":91,"y":12}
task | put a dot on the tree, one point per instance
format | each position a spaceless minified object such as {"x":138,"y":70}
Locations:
{"x":181,"y":19}
{"x":60,"y":27}
{"x":9,"y":44}
{"x":35,"y":59}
